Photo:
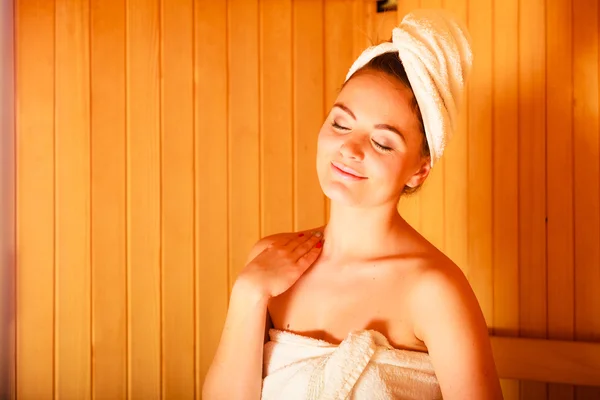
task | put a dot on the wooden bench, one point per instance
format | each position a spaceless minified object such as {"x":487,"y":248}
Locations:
{"x":554,"y":361}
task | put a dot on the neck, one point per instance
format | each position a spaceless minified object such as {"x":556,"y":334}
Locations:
{"x":360,"y":232}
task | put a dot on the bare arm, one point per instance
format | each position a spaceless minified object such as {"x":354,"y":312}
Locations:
{"x":449,"y":320}
{"x":236,"y":370}
{"x":240,"y":349}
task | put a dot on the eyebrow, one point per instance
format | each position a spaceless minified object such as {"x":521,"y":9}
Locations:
{"x":344,"y":108}
{"x":378,"y":126}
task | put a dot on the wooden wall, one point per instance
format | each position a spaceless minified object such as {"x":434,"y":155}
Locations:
{"x":156,"y":143}
{"x":516,"y":200}
{"x":7,"y":203}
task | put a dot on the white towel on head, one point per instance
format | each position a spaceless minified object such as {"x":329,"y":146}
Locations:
{"x":436,"y":53}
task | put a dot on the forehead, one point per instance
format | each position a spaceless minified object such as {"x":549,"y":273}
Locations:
{"x":376,"y":96}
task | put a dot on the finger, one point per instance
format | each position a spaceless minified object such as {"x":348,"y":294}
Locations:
{"x":288,"y":238}
{"x":305,"y":247}
{"x":310,"y":257}
{"x":302,"y":238}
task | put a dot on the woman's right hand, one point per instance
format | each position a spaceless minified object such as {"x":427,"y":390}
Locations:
{"x":281,"y":263}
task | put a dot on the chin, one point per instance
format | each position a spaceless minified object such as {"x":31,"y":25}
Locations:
{"x":340,"y":193}
{"x":337,"y":193}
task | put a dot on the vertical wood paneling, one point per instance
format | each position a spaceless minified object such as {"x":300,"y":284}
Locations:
{"x":177,"y":199}
{"x":532,"y":179}
{"x":360,"y":37}
{"x":432,"y":196}
{"x":243,"y":134}
{"x":410,"y":205}
{"x":156,"y":142}
{"x":586,"y":166}
{"x":338,"y":53}
{"x":143,"y":199}
{"x":108,"y":194}
{"x":338,"y":49}
{"x":505,"y":176}
{"x":455,"y":186}
{"x":72,"y":186}
{"x":479,"y":172}
{"x":276,"y":154}
{"x":308,"y":77}
{"x":404,"y":7}
{"x":382,"y":26}
{"x":211,"y":166}
{"x":35,"y":199}
{"x":559,"y":167}
{"x":7,"y":202}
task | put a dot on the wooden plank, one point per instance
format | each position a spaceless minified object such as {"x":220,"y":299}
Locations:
{"x":211,"y":156}
{"x":143,"y":200}
{"x":505,"y":226}
{"x":479,"y":173}
{"x":308,"y":80}
{"x":410,"y":205}
{"x":431,"y":4}
{"x":404,"y":7}
{"x":369,"y":13}
{"x":557,"y":361}
{"x":586,"y":166}
{"x":360,"y":35}
{"x":243,"y":135}
{"x":432,"y":194}
{"x":383,"y":24}
{"x":559,"y":165}
{"x":410,"y":209}
{"x":276,"y":153}
{"x":34,"y":51}
{"x":338,"y":54}
{"x":455,"y":186}
{"x":532,"y":180}
{"x":72,"y":152}
{"x":177,"y":200}
{"x":108,"y":193}
{"x":7,"y":203}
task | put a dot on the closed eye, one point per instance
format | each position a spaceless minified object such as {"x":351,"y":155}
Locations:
{"x":337,"y":126}
{"x":381,"y":147}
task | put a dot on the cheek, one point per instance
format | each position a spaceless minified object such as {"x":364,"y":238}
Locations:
{"x":389,"y":172}
{"x":384,"y":169}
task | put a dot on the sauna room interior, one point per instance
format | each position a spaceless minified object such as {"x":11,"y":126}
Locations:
{"x":146,"y":145}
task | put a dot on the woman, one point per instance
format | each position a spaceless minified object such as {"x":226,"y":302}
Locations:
{"x":365,"y":307}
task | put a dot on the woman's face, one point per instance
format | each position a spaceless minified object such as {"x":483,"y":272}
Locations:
{"x":369,"y":147}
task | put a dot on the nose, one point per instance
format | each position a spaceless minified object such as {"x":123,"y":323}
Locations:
{"x":352,"y":148}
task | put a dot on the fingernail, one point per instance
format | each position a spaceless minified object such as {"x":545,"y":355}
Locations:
{"x":319,"y":245}
{"x":301,"y":234}
{"x":318,"y":234}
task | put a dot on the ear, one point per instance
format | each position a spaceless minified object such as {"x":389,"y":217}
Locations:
{"x":422,"y":173}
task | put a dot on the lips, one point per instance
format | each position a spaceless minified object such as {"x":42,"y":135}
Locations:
{"x":346,"y":171}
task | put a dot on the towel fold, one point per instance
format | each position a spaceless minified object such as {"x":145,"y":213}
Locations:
{"x":363,"y":366}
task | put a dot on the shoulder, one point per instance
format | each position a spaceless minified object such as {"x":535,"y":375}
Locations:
{"x":447,"y":317}
{"x":440,"y":288}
